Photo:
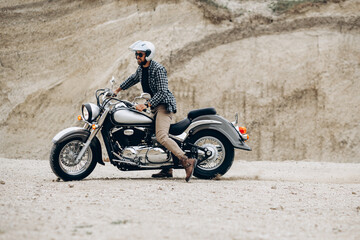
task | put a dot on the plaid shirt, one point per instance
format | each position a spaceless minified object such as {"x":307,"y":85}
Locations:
{"x":158,"y":84}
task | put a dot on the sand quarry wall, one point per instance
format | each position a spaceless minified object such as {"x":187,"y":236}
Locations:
{"x":292,"y":77}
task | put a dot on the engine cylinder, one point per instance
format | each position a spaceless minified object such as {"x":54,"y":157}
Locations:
{"x":146,"y":155}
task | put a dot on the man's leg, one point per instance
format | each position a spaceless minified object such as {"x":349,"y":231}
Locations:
{"x":162,"y":126}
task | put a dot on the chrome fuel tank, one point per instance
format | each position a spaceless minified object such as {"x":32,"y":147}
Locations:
{"x":126,"y":116}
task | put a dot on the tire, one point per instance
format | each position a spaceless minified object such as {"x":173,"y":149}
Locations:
{"x":62,"y":159}
{"x":222,"y":158}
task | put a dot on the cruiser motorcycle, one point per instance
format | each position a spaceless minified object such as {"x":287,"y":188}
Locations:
{"x":129,"y":139}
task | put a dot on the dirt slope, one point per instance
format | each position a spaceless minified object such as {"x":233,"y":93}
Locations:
{"x":293,"y":77}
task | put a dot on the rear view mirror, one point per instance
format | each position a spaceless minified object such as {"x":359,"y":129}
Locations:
{"x":112,"y":82}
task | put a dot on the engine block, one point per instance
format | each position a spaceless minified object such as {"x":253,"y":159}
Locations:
{"x":146,"y":155}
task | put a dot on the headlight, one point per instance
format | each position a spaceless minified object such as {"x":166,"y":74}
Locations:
{"x":90,"y":111}
{"x":85,"y":113}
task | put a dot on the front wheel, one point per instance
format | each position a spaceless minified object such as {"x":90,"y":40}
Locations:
{"x":222,"y":154}
{"x":63,"y":160}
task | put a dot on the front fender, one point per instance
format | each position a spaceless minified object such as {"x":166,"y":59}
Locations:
{"x":81,"y":133}
{"x":221,"y":125}
{"x":71,"y":132}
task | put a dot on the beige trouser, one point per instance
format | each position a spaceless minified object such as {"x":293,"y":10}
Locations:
{"x":162,"y":126}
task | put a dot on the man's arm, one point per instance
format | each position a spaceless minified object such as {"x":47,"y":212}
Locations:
{"x":131,"y":81}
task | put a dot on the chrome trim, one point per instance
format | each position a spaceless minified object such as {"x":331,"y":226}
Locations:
{"x":244,"y":136}
{"x":200,"y":122}
{"x":95,"y":111}
{"x":140,"y":128}
{"x":180,"y":137}
{"x":128,"y":132}
{"x":236,"y":120}
{"x":184,"y":135}
{"x":116,"y":130}
{"x":116,"y":155}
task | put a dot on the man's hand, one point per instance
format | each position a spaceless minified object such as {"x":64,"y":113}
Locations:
{"x":116,"y":91}
{"x":140,"y":107}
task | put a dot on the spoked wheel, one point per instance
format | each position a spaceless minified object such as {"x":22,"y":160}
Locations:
{"x":63,"y":160}
{"x":221,"y":158}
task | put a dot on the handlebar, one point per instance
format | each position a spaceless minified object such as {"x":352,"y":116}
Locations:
{"x":104,"y":96}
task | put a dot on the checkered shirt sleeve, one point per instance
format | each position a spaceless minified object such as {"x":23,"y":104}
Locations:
{"x":131,"y":81}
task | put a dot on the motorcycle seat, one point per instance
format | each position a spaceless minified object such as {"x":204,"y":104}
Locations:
{"x":179,"y":127}
{"x":199,"y":112}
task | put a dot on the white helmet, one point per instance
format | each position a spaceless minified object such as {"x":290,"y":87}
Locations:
{"x":144,"y":46}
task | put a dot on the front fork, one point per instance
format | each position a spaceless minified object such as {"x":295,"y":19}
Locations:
{"x":94,"y":132}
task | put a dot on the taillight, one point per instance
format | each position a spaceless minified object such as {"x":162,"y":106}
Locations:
{"x":242,"y":130}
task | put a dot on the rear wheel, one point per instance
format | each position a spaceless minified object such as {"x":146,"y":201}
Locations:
{"x":222,"y":154}
{"x":63,"y":160}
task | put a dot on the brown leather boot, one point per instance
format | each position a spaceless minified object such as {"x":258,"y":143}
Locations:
{"x":164,"y":173}
{"x":189,"y":164}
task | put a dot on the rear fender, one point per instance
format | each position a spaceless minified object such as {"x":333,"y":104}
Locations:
{"x":81,"y":133}
{"x":221,"y":125}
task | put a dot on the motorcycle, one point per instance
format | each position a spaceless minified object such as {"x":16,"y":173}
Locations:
{"x":129,"y":139}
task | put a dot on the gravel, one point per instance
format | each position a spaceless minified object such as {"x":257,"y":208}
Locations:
{"x":254,"y":200}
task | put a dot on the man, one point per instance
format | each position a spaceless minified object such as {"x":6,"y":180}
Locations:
{"x":153,"y":79}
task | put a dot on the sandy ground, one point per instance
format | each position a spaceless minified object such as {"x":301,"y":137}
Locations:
{"x":254,"y":200}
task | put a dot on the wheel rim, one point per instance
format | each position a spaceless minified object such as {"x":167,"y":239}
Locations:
{"x":217,"y":153}
{"x":67,"y":158}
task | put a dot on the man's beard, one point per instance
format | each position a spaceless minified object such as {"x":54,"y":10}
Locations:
{"x":142,"y":63}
